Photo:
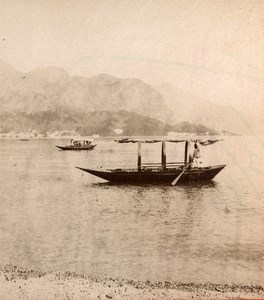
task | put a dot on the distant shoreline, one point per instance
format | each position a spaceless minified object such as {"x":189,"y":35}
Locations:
{"x":19,"y":283}
{"x":191,"y":136}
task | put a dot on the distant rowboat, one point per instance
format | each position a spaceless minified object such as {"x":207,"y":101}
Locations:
{"x":24,"y":140}
{"x":77,"y":145}
{"x":160,"y":172}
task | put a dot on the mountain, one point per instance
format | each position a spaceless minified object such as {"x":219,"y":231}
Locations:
{"x":52,"y":89}
{"x":185,"y":106}
{"x":46,"y":89}
{"x":9,"y":76}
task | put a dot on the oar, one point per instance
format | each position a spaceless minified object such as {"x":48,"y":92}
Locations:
{"x":180,"y":175}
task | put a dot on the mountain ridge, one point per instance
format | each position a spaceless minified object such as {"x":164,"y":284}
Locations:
{"x":198,"y":110}
{"x":52,"y":88}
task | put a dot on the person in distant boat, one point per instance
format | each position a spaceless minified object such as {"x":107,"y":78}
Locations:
{"x":196,"y":155}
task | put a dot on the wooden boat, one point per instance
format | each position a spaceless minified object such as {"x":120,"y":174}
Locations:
{"x":160,"y":172}
{"x":77,"y":145}
{"x":24,"y":140}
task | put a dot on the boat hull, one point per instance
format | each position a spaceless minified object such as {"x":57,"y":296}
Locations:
{"x":74,"y":148}
{"x":156,"y":176}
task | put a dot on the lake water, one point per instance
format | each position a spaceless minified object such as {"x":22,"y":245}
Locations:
{"x":55,"y":217}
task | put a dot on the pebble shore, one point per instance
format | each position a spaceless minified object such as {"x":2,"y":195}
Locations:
{"x":18,"y":283}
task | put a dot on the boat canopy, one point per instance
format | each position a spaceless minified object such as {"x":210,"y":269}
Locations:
{"x":150,"y":141}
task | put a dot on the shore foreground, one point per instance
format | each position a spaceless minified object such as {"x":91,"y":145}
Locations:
{"x":19,"y":283}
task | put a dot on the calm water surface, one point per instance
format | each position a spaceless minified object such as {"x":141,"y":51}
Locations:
{"x":54,"y":217}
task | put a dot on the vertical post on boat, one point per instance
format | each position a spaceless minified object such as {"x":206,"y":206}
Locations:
{"x":139,"y":156}
{"x":190,"y":152}
{"x":186,"y":152}
{"x":163,"y":155}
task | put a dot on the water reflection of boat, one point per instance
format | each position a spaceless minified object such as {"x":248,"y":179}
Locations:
{"x":77,"y":145}
{"x":160,"y":172}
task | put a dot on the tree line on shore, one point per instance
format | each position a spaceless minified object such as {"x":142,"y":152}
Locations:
{"x":97,"y":122}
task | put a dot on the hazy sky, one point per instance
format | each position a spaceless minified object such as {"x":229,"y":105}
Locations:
{"x":213,"y":49}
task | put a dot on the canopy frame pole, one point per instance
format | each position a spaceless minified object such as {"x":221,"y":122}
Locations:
{"x":187,"y":152}
{"x":163,"y":155}
{"x":139,"y":156}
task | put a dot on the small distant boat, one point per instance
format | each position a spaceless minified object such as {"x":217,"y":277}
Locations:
{"x":24,"y":140}
{"x":77,"y":145}
{"x":160,"y":172}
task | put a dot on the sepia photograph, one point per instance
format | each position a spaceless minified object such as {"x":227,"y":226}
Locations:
{"x":131,"y":142}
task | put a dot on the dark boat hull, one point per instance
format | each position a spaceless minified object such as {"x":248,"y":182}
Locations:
{"x":156,"y":176}
{"x":74,"y":148}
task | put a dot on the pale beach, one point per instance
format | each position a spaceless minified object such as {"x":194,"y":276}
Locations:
{"x":18,"y":283}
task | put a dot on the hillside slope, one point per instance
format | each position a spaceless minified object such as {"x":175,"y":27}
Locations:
{"x":52,"y":89}
{"x":89,"y":123}
{"x":185,"y":106}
